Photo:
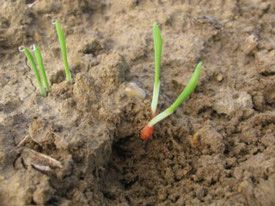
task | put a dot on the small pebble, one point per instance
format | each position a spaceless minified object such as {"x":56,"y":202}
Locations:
{"x":133,"y":90}
{"x":219,"y":77}
{"x":250,"y":44}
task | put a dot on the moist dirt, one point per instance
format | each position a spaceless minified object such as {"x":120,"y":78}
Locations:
{"x":80,"y":144}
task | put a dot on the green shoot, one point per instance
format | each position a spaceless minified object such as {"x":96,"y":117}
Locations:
{"x":39,"y":61}
{"x":158,"y":52}
{"x":63,"y":47}
{"x":31,"y":61}
{"x":147,"y":131}
{"x":181,"y":98}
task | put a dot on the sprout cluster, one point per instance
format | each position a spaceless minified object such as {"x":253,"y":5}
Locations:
{"x":35,"y":61}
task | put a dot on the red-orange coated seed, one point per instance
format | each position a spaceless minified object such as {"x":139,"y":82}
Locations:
{"x":146,"y":133}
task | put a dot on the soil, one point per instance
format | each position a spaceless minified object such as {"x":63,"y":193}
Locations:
{"x":80,"y":145}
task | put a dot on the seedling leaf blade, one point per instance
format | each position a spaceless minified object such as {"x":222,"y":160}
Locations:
{"x":158,"y":52}
{"x":39,"y":61}
{"x":31,"y":61}
{"x":63,"y":47}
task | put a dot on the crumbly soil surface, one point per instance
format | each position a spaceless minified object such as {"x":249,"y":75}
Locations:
{"x":80,"y":145}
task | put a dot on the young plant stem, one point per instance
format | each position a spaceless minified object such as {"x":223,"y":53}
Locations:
{"x":31,"y":61}
{"x":63,"y":47}
{"x":39,"y":61}
{"x":158,"y":51}
{"x":148,"y":130}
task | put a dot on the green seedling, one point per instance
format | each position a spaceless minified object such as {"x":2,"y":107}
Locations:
{"x":39,"y":61}
{"x":181,"y":98}
{"x":63,"y":47}
{"x":158,"y":51}
{"x":148,"y":130}
{"x":32,"y":64}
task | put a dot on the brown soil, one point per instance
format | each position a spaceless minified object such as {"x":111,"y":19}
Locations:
{"x":80,"y":145}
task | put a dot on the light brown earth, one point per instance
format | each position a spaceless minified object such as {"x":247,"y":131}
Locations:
{"x":82,"y":143}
